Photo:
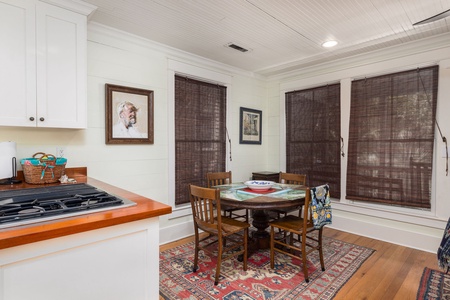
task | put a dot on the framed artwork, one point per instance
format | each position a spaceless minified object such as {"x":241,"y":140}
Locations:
{"x":129,"y":115}
{"x":250,"y":126}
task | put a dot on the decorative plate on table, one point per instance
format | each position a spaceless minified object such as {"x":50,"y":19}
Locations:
{"x":259,"y":185}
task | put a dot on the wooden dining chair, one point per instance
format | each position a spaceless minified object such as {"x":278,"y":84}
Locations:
{"x":205,"y":203}
{"x":299,"y":238}
{"x":288,"y":178}
{"x":219,"y":178}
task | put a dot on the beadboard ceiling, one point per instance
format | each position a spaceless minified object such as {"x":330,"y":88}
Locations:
{"x":281,"y":35}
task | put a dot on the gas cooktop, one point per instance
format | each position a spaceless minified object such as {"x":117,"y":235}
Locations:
{"x":28,"y":206}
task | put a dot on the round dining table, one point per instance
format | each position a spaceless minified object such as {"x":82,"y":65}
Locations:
{"x":238,"y":195}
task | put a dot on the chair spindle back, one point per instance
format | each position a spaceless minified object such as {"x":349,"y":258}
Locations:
{"x":205,"y":203}
{"x":290,"y":178}
{"x":218,"y":178}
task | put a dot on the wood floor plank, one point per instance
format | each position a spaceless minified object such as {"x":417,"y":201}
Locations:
{"x":362,"y":282}
{"x":419,"y":260}
{"x":392,"y":268}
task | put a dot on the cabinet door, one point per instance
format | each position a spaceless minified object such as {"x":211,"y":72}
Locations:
{"x":61,"y":67}
{"x":18,"y":63}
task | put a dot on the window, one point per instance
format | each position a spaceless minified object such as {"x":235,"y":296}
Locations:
{"x":391,"y":138}
{"x":200,"y":133}
{"x":313,"y":126}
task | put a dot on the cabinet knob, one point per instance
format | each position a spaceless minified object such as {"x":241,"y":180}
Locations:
{"x":41,"y":119}
{"x":31,"y":118}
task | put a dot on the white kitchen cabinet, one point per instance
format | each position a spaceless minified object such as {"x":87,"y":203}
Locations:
{"x":43,"y":58}
{"x":115,"y":263}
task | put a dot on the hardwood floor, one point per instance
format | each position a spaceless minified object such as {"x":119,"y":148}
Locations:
{"x":392,"y":272}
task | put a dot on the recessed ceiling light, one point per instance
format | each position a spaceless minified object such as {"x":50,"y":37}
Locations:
{"x":329,"y":44}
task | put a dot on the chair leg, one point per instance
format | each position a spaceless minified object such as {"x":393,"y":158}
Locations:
{"x":305,"y":266}
{"x":272,"y":245}
{"x":279,"y":217}
{"x":322,"y":264}
{"x":219,"y":262}
{"x":245,"y":248}
{"x":196,"y":251}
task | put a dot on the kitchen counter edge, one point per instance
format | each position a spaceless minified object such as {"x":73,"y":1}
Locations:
{"x":144,"y":208}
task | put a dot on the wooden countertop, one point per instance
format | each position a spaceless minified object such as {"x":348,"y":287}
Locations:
{"x":145,"y":208}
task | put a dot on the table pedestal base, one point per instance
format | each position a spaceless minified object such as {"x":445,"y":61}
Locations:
{"x":260,"y":238}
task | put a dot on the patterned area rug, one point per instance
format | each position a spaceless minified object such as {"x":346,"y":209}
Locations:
{"x":286,"y":281}
{"x":434,"y":285}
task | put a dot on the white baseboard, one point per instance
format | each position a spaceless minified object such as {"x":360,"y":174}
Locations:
{"x":176,"y":232}
{"x":412,"y":239}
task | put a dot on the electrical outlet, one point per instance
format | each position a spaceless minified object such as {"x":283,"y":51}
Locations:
{"x":60,"y":151}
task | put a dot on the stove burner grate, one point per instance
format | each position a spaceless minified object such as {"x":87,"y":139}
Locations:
{"x":30,"y":204}
{"x":34,"y":209}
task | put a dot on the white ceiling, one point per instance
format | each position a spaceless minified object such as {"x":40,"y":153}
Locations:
{"x":281,"y":35}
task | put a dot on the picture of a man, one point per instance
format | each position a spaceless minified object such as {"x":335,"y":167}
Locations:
{"x":126,"y":126}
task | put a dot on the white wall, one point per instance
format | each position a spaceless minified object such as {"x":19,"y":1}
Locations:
{"x":411,"y":227}
{"x":119,"y":58}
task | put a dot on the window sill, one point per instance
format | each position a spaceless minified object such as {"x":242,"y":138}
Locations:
{"x":181,"y":211}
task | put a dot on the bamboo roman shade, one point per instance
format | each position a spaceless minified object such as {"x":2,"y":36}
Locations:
{"x":313,"y":126}
{"x":390,"y":151}
{"x":200,"y":133}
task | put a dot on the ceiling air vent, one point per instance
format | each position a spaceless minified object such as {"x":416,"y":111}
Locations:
{"x":236,"y":47}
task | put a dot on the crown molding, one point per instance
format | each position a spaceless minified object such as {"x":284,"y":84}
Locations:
{"x":105,"y":32}
{"x":423,"y":46}
{"x":77,"y":6}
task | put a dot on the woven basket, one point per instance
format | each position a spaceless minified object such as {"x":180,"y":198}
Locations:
{"x":45,"y":169}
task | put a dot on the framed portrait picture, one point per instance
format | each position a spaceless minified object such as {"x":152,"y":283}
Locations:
{"x":129,"y":115}
{"x":250,"y":126}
